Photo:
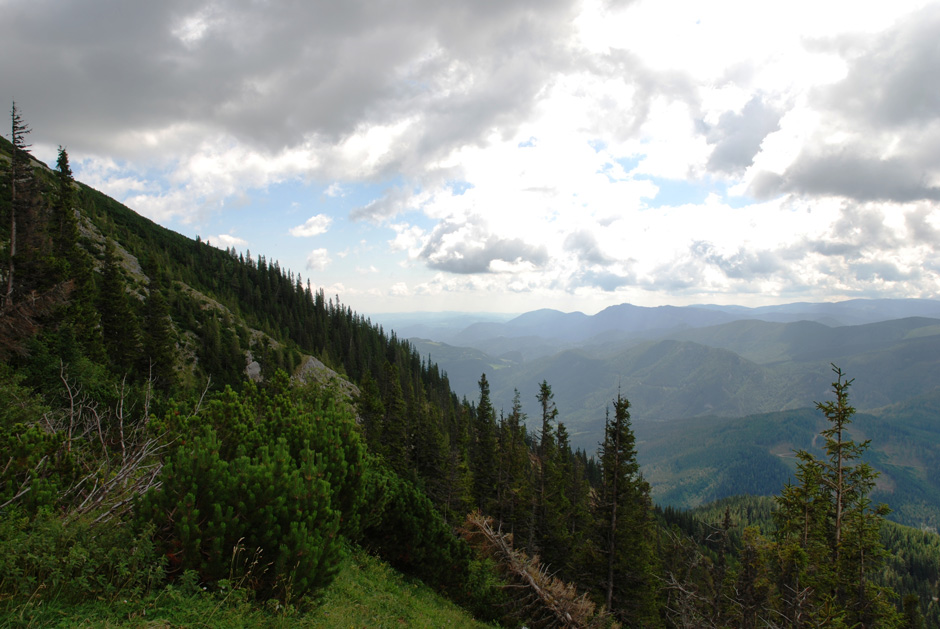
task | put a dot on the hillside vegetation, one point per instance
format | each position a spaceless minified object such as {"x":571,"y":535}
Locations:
{"x":200,"y":433}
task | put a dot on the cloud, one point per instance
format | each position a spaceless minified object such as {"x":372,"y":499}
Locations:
{"x":314,"y":226}
{"x":226,"y":240}
{"x":846,"y":171}
{"x":737,"y":137}
{"x":335,"y":190}
{"x":584,"y":244}
{"x":469,"y":247}
{"x":318,"y":259}
{"x":392,"y":203}
{"x":919,"y":228}
{"x":875,"y":130}
{"x":891,"y":76}
{"x":605,"y":280}
{"x":315,"y":71}
{"x":516,"y":147}
{"x":740,"y":264}
{"x":399,"y":289}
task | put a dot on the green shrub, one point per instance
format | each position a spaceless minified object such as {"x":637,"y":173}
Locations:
{"x":26,"y":448}
{"x":265,"y":514}
{"x":42,"y":558}
{"x":403,"y":527}
{"x":262,"y":492}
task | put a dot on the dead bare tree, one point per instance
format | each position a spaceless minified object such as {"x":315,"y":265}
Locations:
{"x":118,"y":458}
{"x":543,"y":599}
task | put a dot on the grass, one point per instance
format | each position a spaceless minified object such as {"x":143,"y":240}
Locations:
{"x":366,"y":593}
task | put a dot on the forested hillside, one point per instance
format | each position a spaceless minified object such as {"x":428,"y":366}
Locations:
{"x":181,"y":417}
{"x":730,"y":370}
{"x":695,"y":461}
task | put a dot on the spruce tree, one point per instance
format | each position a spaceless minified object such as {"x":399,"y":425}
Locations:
{"x":371,"y":411}
{"x":459,"y":497}
{"x":551,"y":507}
{"x":573,"y":506}
{"x":828,"y":531}
{"x":119,"y":325}
{"x":21,"y":183}
{"x":483,"y":452}
{"x":625,"y":529}
{"x":396,"y":427}
{"x":547,"y":456}
{"x":64,"y":225}
{"x":514,"y":485}
{"x":158,"y":355}
{"x":857,"y":551}
{"x":430,"y":446}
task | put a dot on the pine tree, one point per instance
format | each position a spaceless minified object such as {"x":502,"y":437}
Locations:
{"x":572,"y":507}
{"x":64,"y":225}
{"x":158,"y":354}
{"x":547,"y":456}
{"x":828,"y":530}
{"x":119,"y":325}
{"x":514,"y":484}
{"x":21,"y":183}
{"x":626,"y":568}
{"x":550,"y":538}
{"x":483,"y":452}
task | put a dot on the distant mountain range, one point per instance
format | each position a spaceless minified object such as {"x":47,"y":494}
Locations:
{"x":536,"y":333}
{"x":680,"y":362}
{"x":704,"y":380}
{"x":693,"y":461}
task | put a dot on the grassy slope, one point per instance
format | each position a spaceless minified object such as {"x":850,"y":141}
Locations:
{"x":366,"y":593}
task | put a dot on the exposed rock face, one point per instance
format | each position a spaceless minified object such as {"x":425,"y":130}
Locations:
{"x":315,"y":371}
{"x":253,"y":368}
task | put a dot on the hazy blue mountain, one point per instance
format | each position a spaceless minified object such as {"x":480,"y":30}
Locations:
{"x":722,"y":395}
{"x":732,"y":369}
{"x":692,"y":461}
{"x":439,"y":326}
{"x":465,"y":365}
{"x":545,"y":323}
{"x":850,"y":312}
{"x":766,"y":342}
{"x":637,"y":319}
{"x":543,"y":332}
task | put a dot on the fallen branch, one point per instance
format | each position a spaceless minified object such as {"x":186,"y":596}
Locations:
{"x":547,"y":600}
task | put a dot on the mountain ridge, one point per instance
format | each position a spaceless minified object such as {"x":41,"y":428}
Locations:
{"x":737,"y":368}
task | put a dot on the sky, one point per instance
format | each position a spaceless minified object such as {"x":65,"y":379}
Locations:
{"x":510,"y":155}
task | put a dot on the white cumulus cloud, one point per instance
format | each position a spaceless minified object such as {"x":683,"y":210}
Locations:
{"x":313,"y":226}
{"x":318,"y":259}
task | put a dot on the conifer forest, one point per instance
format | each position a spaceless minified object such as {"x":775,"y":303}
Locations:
{"x":175,"y":415}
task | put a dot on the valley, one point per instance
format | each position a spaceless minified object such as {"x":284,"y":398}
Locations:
{"x":722,"y":396}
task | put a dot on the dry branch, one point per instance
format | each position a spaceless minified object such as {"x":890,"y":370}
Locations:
{"x":546,"y":600}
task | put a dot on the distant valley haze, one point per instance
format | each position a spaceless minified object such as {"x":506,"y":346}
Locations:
{"x":721,"y":396}
{"x":766,"y":349}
